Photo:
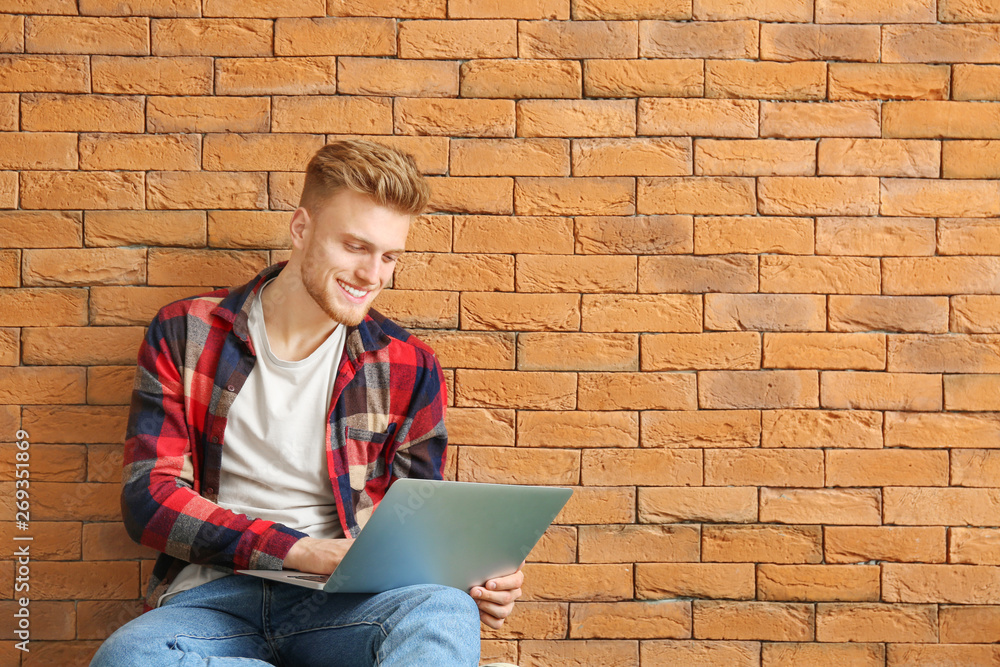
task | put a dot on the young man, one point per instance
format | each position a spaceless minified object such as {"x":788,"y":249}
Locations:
{"x":267,"y":422}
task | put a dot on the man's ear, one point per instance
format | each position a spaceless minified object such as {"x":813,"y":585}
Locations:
{"x":298,"y":225}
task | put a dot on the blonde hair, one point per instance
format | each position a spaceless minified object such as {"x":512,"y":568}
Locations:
{"x":389,"y":176}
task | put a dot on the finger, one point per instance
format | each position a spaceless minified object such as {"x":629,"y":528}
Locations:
{"x":499,"y":597}
{"x":496,"y":610}
{"x":490,"y":621}
{"x":506,"y":582}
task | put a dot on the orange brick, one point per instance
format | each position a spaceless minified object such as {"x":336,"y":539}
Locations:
{"x":437,"y":271}
{"x":334,"y":37}
{"x":510,"y":157}
{"x":826,"y":119}
{"x":716,"y":273}
{"x":514,"y":389}
{"x":275,"y":76}
{"x":939,"y":506}
{"x":891,"y":467}
{"x":974,"y":467}
{"x":212,"y":37}
{"x":875,"y":236}
{"x":879,"y":157}
{"x":574,"y":196}
{"x":543,"y":235}
{"x":560,"y":273}
{"x":78,"y":34}
{"x":12,"y":34}
{"x":10,"y":268}
{"x":975,"y":314}
{"x":969,"y":43}
{"x":55,"y":620}
{"x":208,"y":114}
{"x":523,"y":9}
{"x":640,"y":313}
{"x":961,"y":11}
{"x":730,"y":389}
{"x":661,"y":653}
{"x":472,"y":350}
{"x":612,"y":653}
{"x":933,"y":119}
{"x":753,"y":620}
{"x":197,"y":267}
{"x":410,"y":9}
{"x":953,"y":198}
{"x":104,"y":462}
{"x":656,"y":581}
{"x":577,"y":429}
{"x":504,"y":465}
{"x":889,"y":313}
{"x":824,"y":275}
{"x":700,"y":351}
{"x":109,"y":385}
{"x":414,"y":78}
{"x":755,"y":157}
{"x":430,"y":154}
{"x":186,"y":190}
{"x":971,"y":392}
{"x":49,"y":463}
{"x":10,"y":348}
{"x":644,"y":235}
{"x":643,"y":467}
{"x":627,"y":544}
{"x":515,"y":312}
{"x":956,"y":654}
{"x":771,"y":80}
{"x":132,"y":305}
{"x":881,"y":391}
{"x":152,"y":76}
{"x":74,"y":190}
{"x":637,"y":391}
{"x":855,"y":544}
{"x":835,"y":195}
{"x":787,"y":654}
{"x":54,"y":74}
{"x":9,"y":115}
{"x":975,"y":82}
{"x":977,"y":546}
{"x":821,"y":429}
{"x":464,"y":39}
{"x":812,"y":583}
{"x":43,"y":307}
{"x":889,"y":11}
{"x":956,"y":353}
{"x":631,"y":157}
{"x":699,"y":117}
{"x":577,"y":352}
{"x":697,"y":39}
{"x":715,"y":505}
{"x":888,"y":81}
{"x":861,"y":351}
{"x":109,"y":541}
{"x":826,"y":506}
{"x":515,"y":79}
{"x":592,"y":505}
{"x":699,"y":195}
{"x":547,"y":620}
{"x":420,"y":309}
{"x":768,"y":312}
{"x":274,"y":8}
{"x":633,"y":9}
{"x":140,"y":152}
{"x":962,"y":584}
{"x":576,"y":118}
{"x":258,"y":152}
{"x":971,"y":159}
{"x":38,"y":150}
{"x":969,"y":623}
{"x":620,"y":620}
{"x":709,"y":429}
{"x":545,"y":581}
{"x":140,"y":7}
{"x":84,"y":346}
{"x":486,"y":118}
{"x":477,"y":426}
{"x":43,"y":112}
{"x":578,"y":39}
{"x":762,"y":544}
{"x":73,"y":424}
{"x":41,"y":385}
{"x":644,"y":78}
{"x":940,"y":275}
{"x":472,"y":195}
{"x":755,"y":467}
{"x":247,"y":229}
{"x":790,"y":42}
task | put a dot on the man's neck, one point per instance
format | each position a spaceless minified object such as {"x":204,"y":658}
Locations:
{"x":295,"y":325}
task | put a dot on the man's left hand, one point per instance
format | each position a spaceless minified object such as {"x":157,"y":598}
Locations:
{"x":496,"y":598}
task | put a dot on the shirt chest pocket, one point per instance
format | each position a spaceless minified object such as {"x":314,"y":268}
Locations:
{"x":369,"y":448}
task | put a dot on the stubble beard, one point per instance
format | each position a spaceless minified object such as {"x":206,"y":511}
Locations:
{"x":322,"y":293}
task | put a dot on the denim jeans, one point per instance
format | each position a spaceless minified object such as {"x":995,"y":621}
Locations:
{"x":244,"y":620}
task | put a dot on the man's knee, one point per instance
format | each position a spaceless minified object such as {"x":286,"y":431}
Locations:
{"x":452,"y":601}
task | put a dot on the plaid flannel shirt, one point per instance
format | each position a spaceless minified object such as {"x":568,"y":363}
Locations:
{"x":386,"y":421}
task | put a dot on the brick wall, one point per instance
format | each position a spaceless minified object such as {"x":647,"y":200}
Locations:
{"x":729,"y":268}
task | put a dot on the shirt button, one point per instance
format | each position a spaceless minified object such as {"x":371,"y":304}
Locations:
{"x":215,"y":438}
{"x":209,"y":490}
{"x":231,"y":387}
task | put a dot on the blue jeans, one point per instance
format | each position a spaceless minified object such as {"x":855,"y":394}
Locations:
{"x":244,"y":620}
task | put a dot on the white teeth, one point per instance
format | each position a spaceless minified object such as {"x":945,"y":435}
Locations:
{"x":357,"y":293}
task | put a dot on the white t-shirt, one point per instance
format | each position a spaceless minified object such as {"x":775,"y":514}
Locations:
{"x":274,"y":459}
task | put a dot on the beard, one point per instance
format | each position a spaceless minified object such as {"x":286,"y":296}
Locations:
{"x":323,"y":294}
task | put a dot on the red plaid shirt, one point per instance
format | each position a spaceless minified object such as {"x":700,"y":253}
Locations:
{"x":386,"y":421}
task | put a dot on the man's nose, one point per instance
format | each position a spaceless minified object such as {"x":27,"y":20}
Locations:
{"x":368,"y":270}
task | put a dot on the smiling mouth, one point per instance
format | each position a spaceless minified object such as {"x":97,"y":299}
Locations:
{"x":353,"y":291}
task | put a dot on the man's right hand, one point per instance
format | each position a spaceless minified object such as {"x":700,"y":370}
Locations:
{"x":315,"y":555}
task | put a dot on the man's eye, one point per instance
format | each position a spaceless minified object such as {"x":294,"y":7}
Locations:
{"x":354,"y":248}
{"x":388,"y":259}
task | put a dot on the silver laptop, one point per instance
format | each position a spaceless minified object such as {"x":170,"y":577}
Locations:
{"x":433,"y":532}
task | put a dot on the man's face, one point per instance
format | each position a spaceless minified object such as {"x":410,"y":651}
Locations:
{"x":351,"y":245}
